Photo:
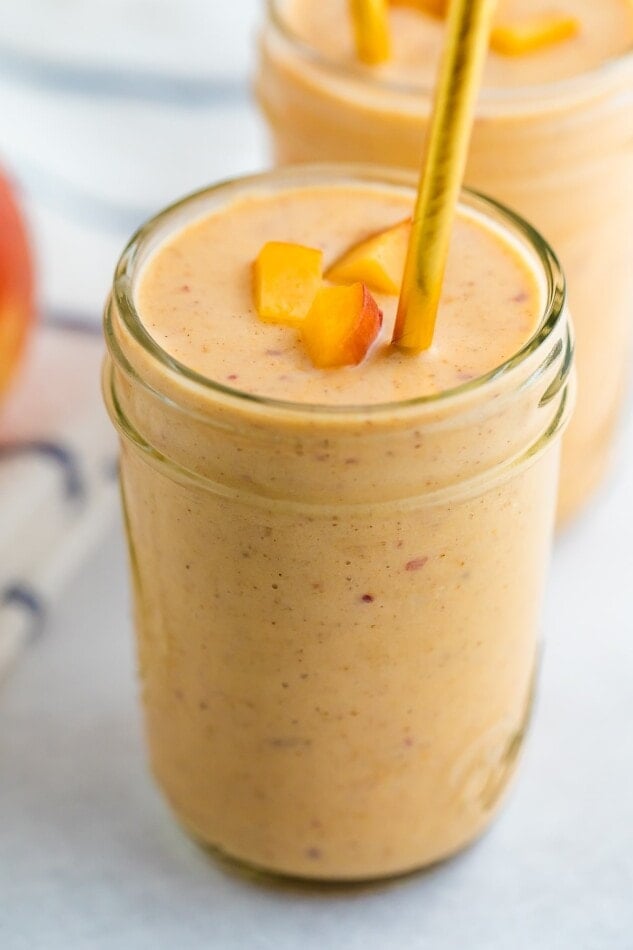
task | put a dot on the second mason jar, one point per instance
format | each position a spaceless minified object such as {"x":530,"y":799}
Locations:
{"x":559,"y":151}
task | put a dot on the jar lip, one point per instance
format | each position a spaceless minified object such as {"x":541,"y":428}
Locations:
{"x":500,"y":95}
{"x":323,"y":174}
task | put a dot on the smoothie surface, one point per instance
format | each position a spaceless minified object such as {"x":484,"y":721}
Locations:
{"x":195,"y":299}
{"x":606,"y":32}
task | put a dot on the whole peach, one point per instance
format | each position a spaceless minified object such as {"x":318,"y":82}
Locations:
{"x":17,"y":309}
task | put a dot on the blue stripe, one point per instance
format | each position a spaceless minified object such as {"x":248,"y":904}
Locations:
{"x":73,"y":322}
{"x":101,"y":82}
{"x":74,"y":487}
{"x":25,"y":597}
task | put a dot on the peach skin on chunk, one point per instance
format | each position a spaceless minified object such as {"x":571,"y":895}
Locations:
{"x":342,"y":324}
{"x":286,"y":278}
{"x":515,"y":38}
{"x":377,"y":262}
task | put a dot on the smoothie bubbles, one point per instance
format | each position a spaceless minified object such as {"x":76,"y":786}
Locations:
{"x":553,"y":139}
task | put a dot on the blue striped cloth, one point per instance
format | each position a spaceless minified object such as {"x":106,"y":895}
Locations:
{"x":108,"y":110}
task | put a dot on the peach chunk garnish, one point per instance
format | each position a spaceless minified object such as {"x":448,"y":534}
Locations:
{"x":515,"y":38}
{"x":286,"y":278}
{"x":377,"y":261}
{"x":371,"y":31}
{"x":436,"y":8}
{"x":342,"y":324}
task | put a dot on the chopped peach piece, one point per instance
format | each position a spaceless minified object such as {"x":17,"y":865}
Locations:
{"x":436,"y":8}
{"x":371,"y":30}
{"x":342,"y":324}
{"x":17,"y":302}
{"x":378,"y":261}
{"x":286,"y":278}
{"x":532,"y":33}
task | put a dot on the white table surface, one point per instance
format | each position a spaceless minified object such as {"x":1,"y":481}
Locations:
{"x":90,"y":858}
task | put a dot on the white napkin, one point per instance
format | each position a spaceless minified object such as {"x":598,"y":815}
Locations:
{"x":57,"y":479}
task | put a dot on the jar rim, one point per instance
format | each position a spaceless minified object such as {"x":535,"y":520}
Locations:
{"x":336,"y":174}
{"x":500,"y":95}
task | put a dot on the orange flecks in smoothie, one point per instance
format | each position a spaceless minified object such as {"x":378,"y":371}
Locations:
{"x":377,"y":262}
{"x":286,"y":278}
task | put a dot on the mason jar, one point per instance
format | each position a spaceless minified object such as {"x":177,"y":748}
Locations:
{"x":560,"y":153}
{"x":337,"y":660}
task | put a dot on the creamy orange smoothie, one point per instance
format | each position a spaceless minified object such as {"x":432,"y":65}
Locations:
{"x":553,"y":138}
{"x":337,"y":572}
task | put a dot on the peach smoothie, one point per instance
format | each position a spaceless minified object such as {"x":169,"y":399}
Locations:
{"x":553,"y":138}
{"x":337,"y":572}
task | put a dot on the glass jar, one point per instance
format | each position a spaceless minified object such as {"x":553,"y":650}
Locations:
{"x":337,"y":608}
{"x":561,"y":154}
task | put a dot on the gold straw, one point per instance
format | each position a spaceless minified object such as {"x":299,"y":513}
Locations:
{"x":468,"y":31}
{"x":371,"y":30}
